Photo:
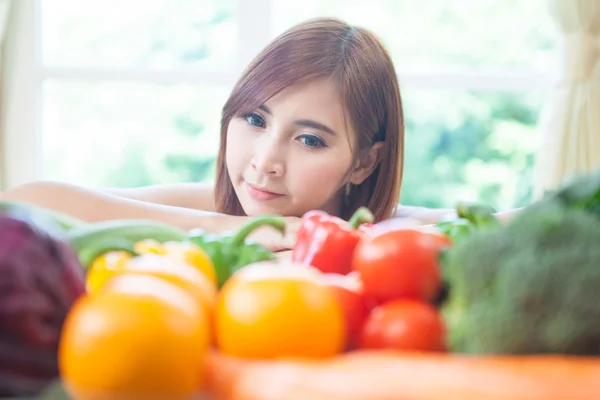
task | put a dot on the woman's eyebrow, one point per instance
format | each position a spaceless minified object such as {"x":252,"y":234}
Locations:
{"x":315,"y":125}
{"x":307,"y":123}
{"x":265,"y":109}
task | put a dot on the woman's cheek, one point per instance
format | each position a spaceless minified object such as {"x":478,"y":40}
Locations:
{"x":318,"y":182}
{"x":239,"y":147}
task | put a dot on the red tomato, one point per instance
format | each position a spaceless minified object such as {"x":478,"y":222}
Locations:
{"x":400,"y":263}
{"x":406,"y":325}
{"x":356,"y":307}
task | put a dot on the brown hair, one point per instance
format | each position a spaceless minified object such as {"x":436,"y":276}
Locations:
{"x":361,"y":68}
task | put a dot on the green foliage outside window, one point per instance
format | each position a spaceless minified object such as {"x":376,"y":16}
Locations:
{"x":460,"y":145}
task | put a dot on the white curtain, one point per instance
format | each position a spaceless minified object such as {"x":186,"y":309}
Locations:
{"x":570,"y":123}
{"x":19,"y":151}
{"x":5,"y":17}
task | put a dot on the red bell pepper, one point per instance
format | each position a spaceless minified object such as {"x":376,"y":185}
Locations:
{"x":327,"y":242}
{"x":366,"y":227}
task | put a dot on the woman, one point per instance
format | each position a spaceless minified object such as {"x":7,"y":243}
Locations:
{"x":314,"y":122}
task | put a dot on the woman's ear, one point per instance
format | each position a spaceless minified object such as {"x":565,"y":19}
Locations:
{"x":366,"y":164}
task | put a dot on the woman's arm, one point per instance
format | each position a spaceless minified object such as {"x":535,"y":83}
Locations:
{"x":430,"y":216}
{"x":426,"y":216}
{"x":92,"y":206}
{"x":505,"y":216}
{"x":199,"y":196}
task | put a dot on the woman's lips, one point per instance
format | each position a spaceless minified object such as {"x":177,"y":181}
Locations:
{"x":261,"y":194}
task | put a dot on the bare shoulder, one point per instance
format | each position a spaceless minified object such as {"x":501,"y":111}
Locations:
{"x":199,"y":196}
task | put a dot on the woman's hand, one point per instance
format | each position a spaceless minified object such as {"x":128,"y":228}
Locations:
{"x":284,"y":256}
{"x":267,"y":236}
{"x":274,"y":240}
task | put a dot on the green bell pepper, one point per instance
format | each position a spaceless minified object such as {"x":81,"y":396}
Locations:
{"x":229,"y":253}
{"x":48,"y":218}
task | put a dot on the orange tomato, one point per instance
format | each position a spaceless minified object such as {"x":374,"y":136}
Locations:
{"x":269,"y":310}
{"x":144,"y":339}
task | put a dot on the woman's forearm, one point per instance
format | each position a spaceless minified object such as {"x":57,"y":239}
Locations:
{"x":423,"y":214}
{"x":89,"y":205}
{"x":433,"y":215}
{"x":505,"y":216}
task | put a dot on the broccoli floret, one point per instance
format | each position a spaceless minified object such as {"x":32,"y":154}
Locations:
{"x":532,"y":286}
{"x":581,"y":192}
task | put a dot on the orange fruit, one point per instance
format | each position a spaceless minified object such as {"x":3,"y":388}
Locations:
{"x":270,"y":310}
{"x":144,"y":339}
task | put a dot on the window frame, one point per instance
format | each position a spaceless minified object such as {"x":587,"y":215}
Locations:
{"x":254,"y":31}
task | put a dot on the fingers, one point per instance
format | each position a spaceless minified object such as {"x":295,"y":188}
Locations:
{"x":273,"y":239}
{"x":292,"y":225}
{"x":284,"y":255}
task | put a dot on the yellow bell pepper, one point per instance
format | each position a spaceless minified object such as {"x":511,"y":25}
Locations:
{"x":104,"y":268}
{"x":184,"y":251}
{"x":117,"y":262}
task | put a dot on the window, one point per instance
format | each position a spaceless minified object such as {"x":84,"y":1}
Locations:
{"x":130,"y":133}
{"x":442,"y":34}
{"x":136,"y":90}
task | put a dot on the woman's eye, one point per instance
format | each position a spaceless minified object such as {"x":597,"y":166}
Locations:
{"x":312,"y":141}
{"x":255,"y":120}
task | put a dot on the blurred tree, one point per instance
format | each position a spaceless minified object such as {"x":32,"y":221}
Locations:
{"x":190,"y":168}
{"x":469,"y":146}
{"x":131,"y":171}
{"x":460,"y":145}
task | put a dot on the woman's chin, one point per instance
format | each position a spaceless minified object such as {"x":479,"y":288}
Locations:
{"x":255,"y":210}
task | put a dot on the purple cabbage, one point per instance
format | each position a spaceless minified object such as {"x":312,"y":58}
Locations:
{"x":40,"y":279}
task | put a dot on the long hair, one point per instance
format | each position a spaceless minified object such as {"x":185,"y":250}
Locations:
{"x":356,"y":61}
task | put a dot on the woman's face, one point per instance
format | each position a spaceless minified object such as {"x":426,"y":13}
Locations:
{"x":292,"y":154}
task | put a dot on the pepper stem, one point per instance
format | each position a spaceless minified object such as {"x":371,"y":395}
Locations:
{"x":361,"y":216}
{"x":88,"y":255}
{"x":255,"y":223}
{"x":476,"y":213}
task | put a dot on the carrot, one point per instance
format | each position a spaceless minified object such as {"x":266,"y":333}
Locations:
{"x":370,"y":375}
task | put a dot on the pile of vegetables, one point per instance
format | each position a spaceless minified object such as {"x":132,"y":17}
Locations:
{"x":78,"y":294}
{"x":473,"y":309}
{"x":382,"y":280}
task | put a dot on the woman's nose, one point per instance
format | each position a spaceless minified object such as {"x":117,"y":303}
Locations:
{"x":268,"y":160}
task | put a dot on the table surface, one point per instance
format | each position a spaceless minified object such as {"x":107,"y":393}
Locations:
{"x":56,"y":392}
